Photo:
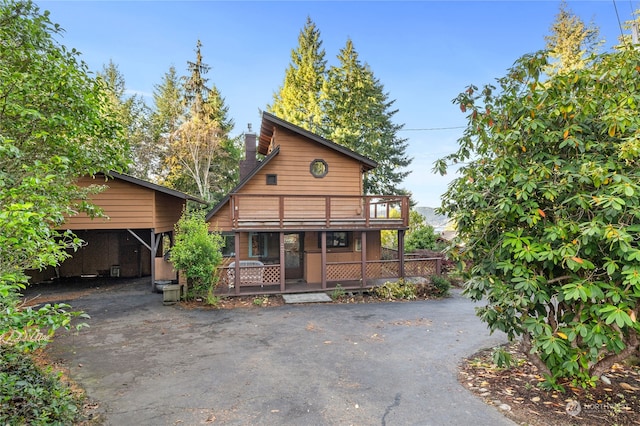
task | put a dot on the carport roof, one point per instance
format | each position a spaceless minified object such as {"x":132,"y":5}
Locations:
{"x":153,"y":186}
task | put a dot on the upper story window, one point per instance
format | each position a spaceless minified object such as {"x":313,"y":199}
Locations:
{"x":319,"y":168}
{"x":272,"y":179}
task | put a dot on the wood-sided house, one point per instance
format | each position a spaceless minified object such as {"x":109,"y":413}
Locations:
{"x":298,"y":220}
{"x":131,"y":240}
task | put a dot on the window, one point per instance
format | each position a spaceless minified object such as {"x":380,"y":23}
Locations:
{"x":257,"y":245}
{"x":335,"y":239}
{"x":272,"y":179}
{"x":319,"y":168}
{"x":229,"y":249}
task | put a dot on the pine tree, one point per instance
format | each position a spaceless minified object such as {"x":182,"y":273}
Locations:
{"x":570,"y":42}
{"x":358,"y":115}
{"x":298,"y":99}
{"x":166,"y":118}
{"x":134,"y":115}
{"x":202,"y":157}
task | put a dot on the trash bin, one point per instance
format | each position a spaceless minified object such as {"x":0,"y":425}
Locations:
{"x":170,"y":294}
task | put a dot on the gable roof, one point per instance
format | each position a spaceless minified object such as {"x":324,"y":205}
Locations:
{"x":153,"y":186}
{"x":269,"y":121}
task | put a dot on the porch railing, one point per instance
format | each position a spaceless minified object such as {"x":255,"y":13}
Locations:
{"x":381,"y":269}
{"x":269,"y":275}
{"x":255,"y":211}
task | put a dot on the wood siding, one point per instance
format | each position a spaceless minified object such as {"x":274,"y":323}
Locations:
{"x":128,"y":206}
{"x":303,"y":192}
{"x":168,"y":211}
{"x":221,"y":221}
{"x":292,"y":164}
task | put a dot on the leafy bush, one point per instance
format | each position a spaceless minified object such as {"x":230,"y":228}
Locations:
{"x":30,"y":395}
{"x":197,"y":253}
{"x":423,"y":237}
{"x":441,"y":284}
{"x":400,"y":289}
{"x":548,"y":212}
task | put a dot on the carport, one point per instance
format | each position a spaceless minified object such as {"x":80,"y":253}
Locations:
{"x":132,"y":239}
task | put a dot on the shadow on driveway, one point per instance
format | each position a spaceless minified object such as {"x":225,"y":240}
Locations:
{"x":312,"y":364}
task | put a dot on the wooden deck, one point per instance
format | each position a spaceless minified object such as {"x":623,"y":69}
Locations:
{"x":266,"y":279}
{"x":300,"y":212}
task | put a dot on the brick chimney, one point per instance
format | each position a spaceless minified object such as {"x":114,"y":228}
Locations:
{"x":250,"y":161}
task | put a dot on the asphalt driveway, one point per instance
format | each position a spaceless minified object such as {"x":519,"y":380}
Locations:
{"x":312,"y":364}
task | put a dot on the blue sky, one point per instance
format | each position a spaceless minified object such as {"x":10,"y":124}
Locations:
{"x":423,"y":52}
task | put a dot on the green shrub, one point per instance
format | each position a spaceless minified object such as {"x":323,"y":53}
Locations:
{"x":400,"y":289}
{"x":197,"y":253}
{"x":337,"y":293}
{"x":441,"y":284}
{"x":30,"y":395}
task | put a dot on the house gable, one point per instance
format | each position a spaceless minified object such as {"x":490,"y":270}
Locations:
{"x":292,"y":169}
{"x":287,"y":169}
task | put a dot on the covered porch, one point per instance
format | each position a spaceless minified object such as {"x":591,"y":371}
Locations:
{"x":254,"y":278}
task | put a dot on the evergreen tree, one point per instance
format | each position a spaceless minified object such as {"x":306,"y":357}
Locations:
{"x":570,"y":42}
{"x":203,"y":159}
{"x":166,"y":118}
{"x":358,"y":115}
{"x":298,"y":99}
{"x":134,"y":115}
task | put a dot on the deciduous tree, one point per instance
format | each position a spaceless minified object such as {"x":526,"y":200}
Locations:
{"x":56,"y":125}
{"x":203,"y":159}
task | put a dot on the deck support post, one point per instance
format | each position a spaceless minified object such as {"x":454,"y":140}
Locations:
{"x":236,"y":277}
{"x":282,"y":263}
{"x":363,"y":258}
{"x":154,"y":251}
{"x":401,"y":251}
{"x":323,"y":256}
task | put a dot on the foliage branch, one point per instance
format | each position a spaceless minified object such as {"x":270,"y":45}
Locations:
{"x":547,"y":208}
{"x":55,"y":126}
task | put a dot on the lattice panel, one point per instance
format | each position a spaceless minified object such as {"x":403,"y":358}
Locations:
{"x":383,"y":269}
{"x":251,"y":275}
{"x":420,"y":268}
{"x":225,"y":280}
{"x":271,"y":274}
{"x":344,"y":271}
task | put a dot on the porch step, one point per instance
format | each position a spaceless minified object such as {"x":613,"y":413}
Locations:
{"x":306,"y":298}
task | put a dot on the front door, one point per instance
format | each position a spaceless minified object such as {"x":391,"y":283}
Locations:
{"x":293,"y":255}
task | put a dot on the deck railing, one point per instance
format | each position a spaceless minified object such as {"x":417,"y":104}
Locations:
{"x":329,"y":211}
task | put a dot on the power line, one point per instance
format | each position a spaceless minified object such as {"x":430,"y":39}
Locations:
{"x":429,"y":129}
{"x":615,"y":7}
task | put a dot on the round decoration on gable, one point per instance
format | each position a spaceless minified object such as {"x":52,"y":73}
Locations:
{"x":319,"y":168}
